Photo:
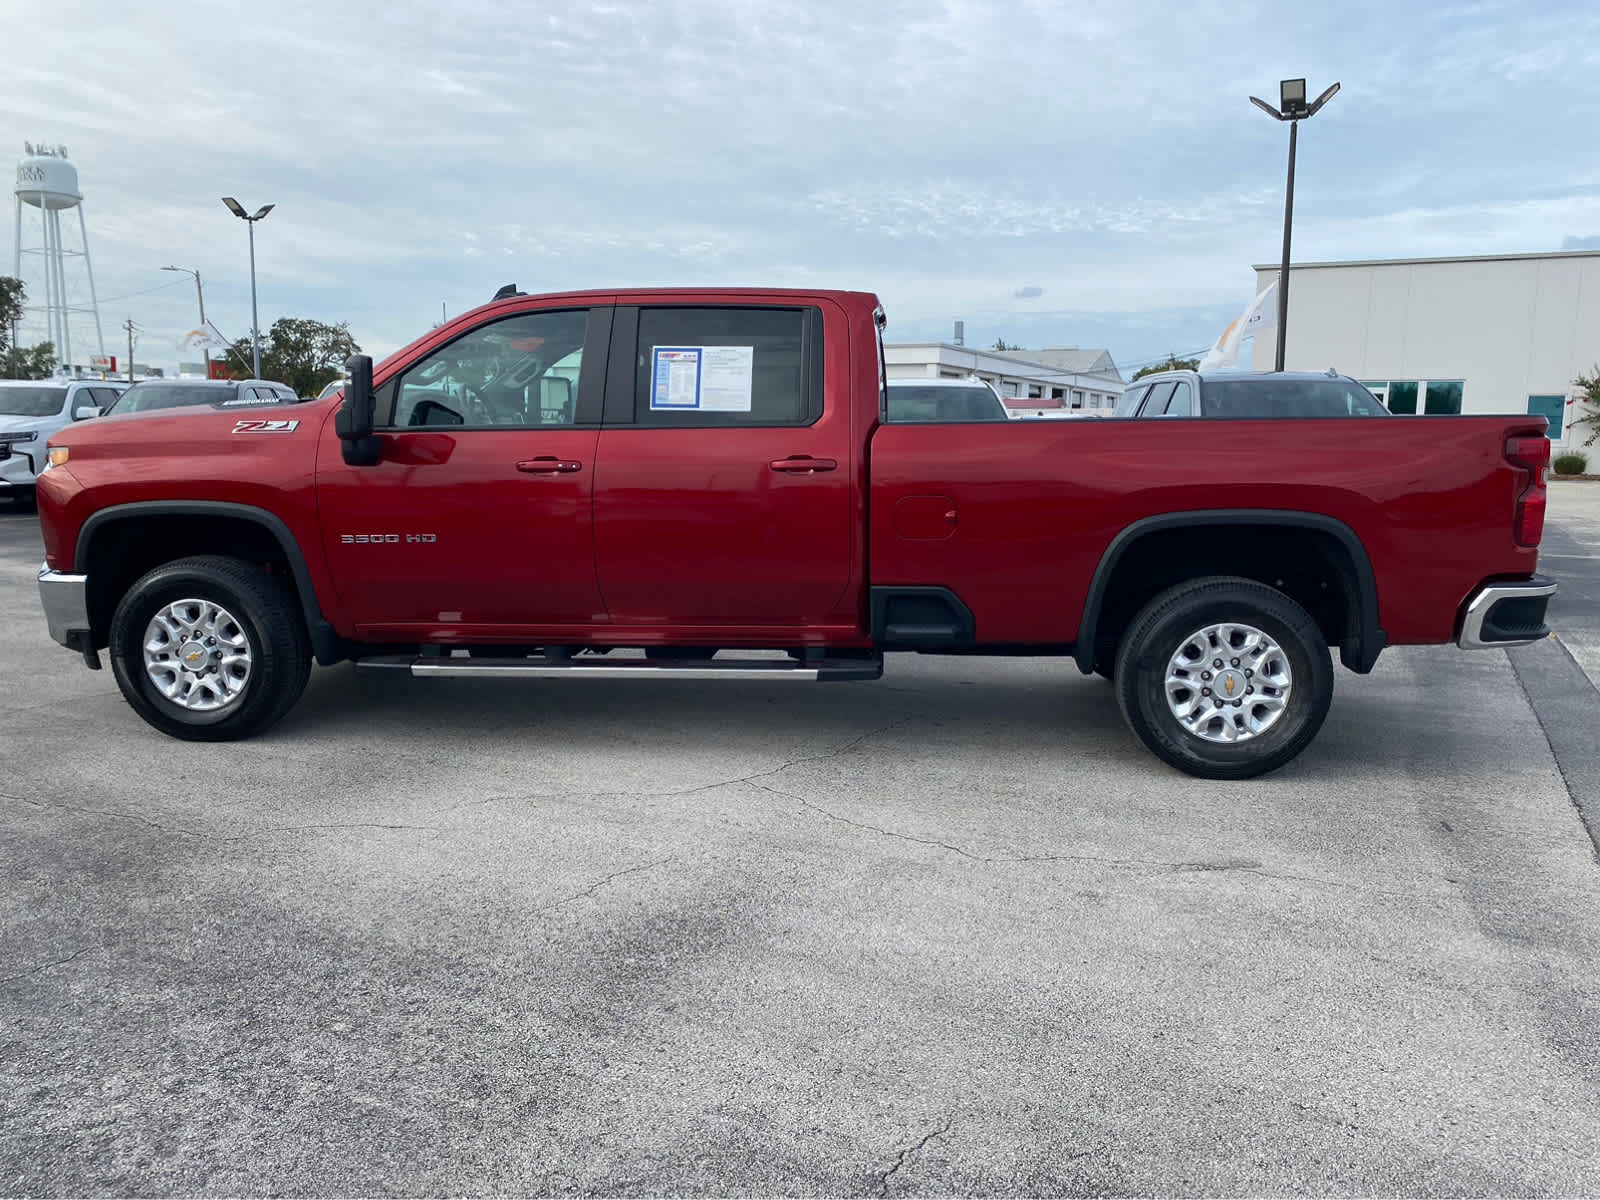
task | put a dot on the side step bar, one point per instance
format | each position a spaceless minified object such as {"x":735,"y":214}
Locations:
{"x":828,"y":670}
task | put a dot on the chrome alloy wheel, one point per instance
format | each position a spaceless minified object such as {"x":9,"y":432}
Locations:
{"x":197,"y":655}
{"x":1228,"y":683}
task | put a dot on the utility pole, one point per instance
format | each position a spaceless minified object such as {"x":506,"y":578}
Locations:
{"x":201,"y":297}
{"x":128,"y":325}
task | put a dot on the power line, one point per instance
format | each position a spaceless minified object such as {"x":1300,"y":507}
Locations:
{"x":130,"y":295}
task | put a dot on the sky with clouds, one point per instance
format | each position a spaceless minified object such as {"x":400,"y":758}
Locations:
{"x":1053,"y":172}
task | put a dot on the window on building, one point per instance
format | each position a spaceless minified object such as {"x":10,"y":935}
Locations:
{"x":1551,"y":408}
{"x":947,"y":373}
{"x":1035,"y":392}
{"x":1402,"y":397}
{"x":1077,"y":399}
{"x":1058,"y":393}
{"x":1443,"y":398}
{"x":1010,"y":388}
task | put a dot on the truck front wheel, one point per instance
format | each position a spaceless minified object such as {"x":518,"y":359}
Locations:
{"x":1224,"y":678}
{"x":210,"y":649}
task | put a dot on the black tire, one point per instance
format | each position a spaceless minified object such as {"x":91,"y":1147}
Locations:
{"x":268,"y":615}
{"x":1161,"y":630}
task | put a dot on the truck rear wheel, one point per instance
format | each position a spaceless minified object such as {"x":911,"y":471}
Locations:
{"x":1224,"y":678}
{"x":210,"y":649}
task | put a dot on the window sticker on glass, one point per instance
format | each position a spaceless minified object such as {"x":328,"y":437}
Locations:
{"x":702,"y":378}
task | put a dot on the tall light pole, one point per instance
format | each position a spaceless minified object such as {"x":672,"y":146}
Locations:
{"x":1292,"y":107}
{"x":201,"y":297}
{"x":237,"y":210}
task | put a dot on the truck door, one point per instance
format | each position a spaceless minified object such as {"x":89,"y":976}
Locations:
{"x":724,"y":492}
{"x":477,"y":520}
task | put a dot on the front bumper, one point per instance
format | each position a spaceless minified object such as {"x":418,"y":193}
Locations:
{"x":66,"y":610}
{"x":1499,"y":615}
{"x":18,"y":468}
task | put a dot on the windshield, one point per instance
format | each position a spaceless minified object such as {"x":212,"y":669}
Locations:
{"x":32,"y":401}
{"x":143,"y":397}
{"x":1289,"y":398}
{"x":934,"y":403}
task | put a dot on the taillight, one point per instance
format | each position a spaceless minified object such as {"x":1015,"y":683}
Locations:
{"x":1530,"y":454}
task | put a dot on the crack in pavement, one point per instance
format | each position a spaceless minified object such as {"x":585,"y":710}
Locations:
{"x":596,"y":886}
{"x":209,"y":837}
{"x":673,"y":793}
{"x":60,"y":962}
{"x":1161,"y":866}
{"x":900,"y":1158}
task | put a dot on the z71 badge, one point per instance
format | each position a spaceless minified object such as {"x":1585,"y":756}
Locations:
{"x":265,"y":426}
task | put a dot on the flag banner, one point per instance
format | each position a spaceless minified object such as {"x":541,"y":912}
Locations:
{"x":1261,"y":316}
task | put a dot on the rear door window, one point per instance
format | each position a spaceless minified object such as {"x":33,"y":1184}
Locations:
{"x":724,"y":367}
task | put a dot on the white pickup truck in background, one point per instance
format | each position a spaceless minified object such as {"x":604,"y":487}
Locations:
{"x":31,"y":412}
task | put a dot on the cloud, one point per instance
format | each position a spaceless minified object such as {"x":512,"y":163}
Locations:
{"x":819,"y":143}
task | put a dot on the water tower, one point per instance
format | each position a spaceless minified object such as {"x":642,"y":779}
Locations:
{"x":46,"y":181}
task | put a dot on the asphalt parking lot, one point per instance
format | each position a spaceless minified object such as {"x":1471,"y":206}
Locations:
{"x":954,"y":932}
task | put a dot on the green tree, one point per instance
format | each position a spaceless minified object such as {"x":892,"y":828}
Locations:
{"x":1589,"y":385}
{"x":36,"y":362}
{"x":1173,"y":363}
{"x":1000,"y":344}
{"x":305,"y":354}
{"x":12,"y":296}
{"x":15,"y":363}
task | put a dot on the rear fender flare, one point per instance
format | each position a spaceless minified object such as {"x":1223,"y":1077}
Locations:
{"x":1358,"y":652}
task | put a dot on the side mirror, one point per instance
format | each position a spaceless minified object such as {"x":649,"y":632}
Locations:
{"x":84,"y":411}
{"x":353,"y":423}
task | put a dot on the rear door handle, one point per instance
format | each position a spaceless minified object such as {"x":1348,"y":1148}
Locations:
{"x":548,"y":464}
{"x":802,"y":464}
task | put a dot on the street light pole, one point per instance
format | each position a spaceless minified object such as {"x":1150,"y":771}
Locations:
{"x":1292,"y":107}
{"x":255,"y":320}
{"x":200,"y":296}
{"x":237,"y":210}
{"x":1283,"y":270}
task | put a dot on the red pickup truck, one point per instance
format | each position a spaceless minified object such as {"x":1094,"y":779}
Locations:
{"x":620,"y":484}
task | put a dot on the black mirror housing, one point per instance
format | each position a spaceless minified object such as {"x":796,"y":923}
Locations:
{"x":354,"y":421}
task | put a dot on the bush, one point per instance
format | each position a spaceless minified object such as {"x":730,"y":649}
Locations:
{"x":1570,"y":464}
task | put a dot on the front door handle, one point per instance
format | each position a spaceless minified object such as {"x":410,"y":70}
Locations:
{"x":802,"y":464}
{"x":548,"y":464}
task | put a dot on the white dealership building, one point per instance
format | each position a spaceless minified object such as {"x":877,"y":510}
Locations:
{"x":1049,"y":380}
{"x":1503,"y":333}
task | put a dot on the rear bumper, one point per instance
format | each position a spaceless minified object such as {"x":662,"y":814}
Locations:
{"x":66,"y":607}
{"x":1506,"y":614}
